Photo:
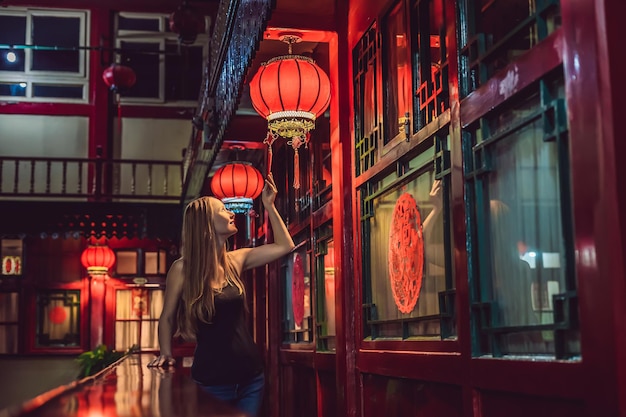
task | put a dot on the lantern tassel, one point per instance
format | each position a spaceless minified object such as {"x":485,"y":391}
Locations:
{"x":296,"y":169}
{"x":269,"y":139}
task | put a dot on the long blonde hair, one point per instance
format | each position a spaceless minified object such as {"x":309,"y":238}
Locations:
{"x":200,"y":264}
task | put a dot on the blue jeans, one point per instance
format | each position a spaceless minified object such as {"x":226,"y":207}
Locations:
{"x":247,"y":396}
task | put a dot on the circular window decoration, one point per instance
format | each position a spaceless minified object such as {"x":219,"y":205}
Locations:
{"x":57,"y":315}
{"x":297,"y":289}
{"x":406,"y":253}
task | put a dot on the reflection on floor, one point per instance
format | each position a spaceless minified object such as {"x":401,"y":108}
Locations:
{"x":133,"y":389}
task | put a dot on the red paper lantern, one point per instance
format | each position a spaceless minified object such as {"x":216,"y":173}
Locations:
{"x":119,"y":77}
{"x":97,"y":259}
{"x":290,"y":91}
{"x":237,"y":180}
{"x":186,"y":23}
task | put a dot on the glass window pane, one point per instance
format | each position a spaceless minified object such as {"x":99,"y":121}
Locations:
{"x":126,"y":334}
{"x":162,"y":262}
{"x":13,"y":89}
{"x":146,"y":67}
{"x":12,"y":32}
{"x":151,"y":263}
{"x":57,"y":91}
{"x":126,"y":262}
{"x":138,"y":24}
{"x":397,"y":72}
{"x":58,"y":319}
{"x":12,"y":60}
{"x":9,"y":307}
{"x":56,"y":31}
{"x":297,"y":302}
{"x":183,"y":72}
{"x":329,"y":294}
{"x":527,"y":252}
{"x":137,"y":312}
{"x":11,"y":251}
{"x":406,"y":261}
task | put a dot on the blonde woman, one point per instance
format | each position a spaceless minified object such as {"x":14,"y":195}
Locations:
{"x":205,"y":300}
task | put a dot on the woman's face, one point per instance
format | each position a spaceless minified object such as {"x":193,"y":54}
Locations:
{"x":223,"y":219}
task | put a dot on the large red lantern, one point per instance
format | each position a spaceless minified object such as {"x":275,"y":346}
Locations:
{"x":237,"y":184}
{"x":119,"y":77}
{"x":291,"y":92}
{"x":97,"y":259}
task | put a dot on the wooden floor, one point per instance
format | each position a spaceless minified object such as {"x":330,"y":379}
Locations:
{"x":129,"y":388}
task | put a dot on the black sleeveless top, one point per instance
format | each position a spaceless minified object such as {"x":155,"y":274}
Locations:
{"x":225,"y":351}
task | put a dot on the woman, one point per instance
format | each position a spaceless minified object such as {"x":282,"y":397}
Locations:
{"x":205,"y":300}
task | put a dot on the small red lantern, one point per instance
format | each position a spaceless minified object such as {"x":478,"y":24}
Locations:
{"x":237,"y":184}
{"x":119,"y":77}
{"x":186,"y":24}
{"x":97,"y":259}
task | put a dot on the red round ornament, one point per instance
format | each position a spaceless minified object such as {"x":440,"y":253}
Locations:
{"x":406,"y":253}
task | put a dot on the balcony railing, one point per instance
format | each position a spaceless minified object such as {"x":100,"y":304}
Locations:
{"x":95,"y":179}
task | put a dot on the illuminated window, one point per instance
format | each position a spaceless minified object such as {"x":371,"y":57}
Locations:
{"x":524,"y":293}
{"x":408,"y":286}
{"x":58,"y":319}
{"x":12,"y":256}
{"x":137,"y":312}
{"x":298,"y":319}
{"x":155,"y":262}
{"x":396,"y":73}
{"x":126,"y":262}
{"x":325,"y":290}
{"x":9,"y":307}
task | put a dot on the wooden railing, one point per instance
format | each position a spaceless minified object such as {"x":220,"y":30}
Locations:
{"x":94,"y":179}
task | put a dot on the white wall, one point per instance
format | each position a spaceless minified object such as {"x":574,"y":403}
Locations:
{"x":43,"y":136}
{"x":48,"y":136}
{"x":152,"y":139}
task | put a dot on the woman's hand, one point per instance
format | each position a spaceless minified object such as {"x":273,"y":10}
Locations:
{"x":269,"y":191}
{"x":436,"y":195}
{"x":162,"y":361}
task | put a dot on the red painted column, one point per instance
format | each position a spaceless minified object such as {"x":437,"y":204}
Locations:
{"x":97,"y":290}
{"x":594,"y":84}
{"x":344,"y":223}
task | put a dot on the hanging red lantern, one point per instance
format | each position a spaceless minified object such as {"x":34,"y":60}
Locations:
{"x":237,"y":184}
{"x":119,"y":77}
{"x":186,"y":23}
{"x":97,"y":259}
{"x":290,"y":91}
